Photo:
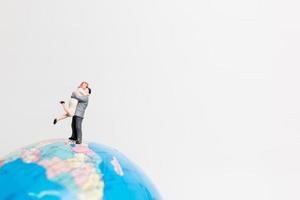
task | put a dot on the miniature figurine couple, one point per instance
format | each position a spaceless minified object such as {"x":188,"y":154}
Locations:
{"x":76,"y":108}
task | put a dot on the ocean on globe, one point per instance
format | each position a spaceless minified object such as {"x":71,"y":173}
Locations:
{"x":57,"y":169}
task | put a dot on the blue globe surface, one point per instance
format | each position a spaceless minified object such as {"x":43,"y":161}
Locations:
{"x":58,"y":169}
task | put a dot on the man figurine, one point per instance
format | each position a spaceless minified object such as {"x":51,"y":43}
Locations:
{"x":79,"y":114}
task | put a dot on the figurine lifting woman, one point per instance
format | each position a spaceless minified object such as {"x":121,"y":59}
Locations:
{"x":76,"y":109}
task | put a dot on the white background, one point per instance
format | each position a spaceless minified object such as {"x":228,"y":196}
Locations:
{"x":203,"y":95}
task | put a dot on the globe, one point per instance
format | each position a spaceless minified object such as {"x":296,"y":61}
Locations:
{"x":58,"y":169}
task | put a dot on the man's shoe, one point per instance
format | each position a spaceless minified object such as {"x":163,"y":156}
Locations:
{"x":61,"y":102}
{"x":78,"y":142}
{"x":70,"y":138}
{"x":55,"y":121}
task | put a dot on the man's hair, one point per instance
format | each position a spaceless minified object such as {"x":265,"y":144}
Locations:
{"x":90,"y":90}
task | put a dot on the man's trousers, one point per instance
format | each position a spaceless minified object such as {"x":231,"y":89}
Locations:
{"x":77,"y":128}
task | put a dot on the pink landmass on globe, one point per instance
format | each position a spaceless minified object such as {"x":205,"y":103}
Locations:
{"x":81,"y":175}
{"x":83,"y":149}
{"x":55,"y":166}
{"x":117,"y":166}
{"x":32,"y":155}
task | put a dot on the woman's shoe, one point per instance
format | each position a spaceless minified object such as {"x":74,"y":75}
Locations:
{"x":61,"y":102}
{"x":55,"y":121}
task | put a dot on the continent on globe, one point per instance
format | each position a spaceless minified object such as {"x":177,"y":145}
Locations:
{"x":117,"y":166}
{"x":56,"y":169}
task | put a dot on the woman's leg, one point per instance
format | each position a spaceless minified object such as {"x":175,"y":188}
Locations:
{"x":64,"y":116}
{"x":66,"y":109}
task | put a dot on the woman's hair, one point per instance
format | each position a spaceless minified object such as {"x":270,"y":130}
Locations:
{"x":90,"y":90}
{"x":84,"y":82}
